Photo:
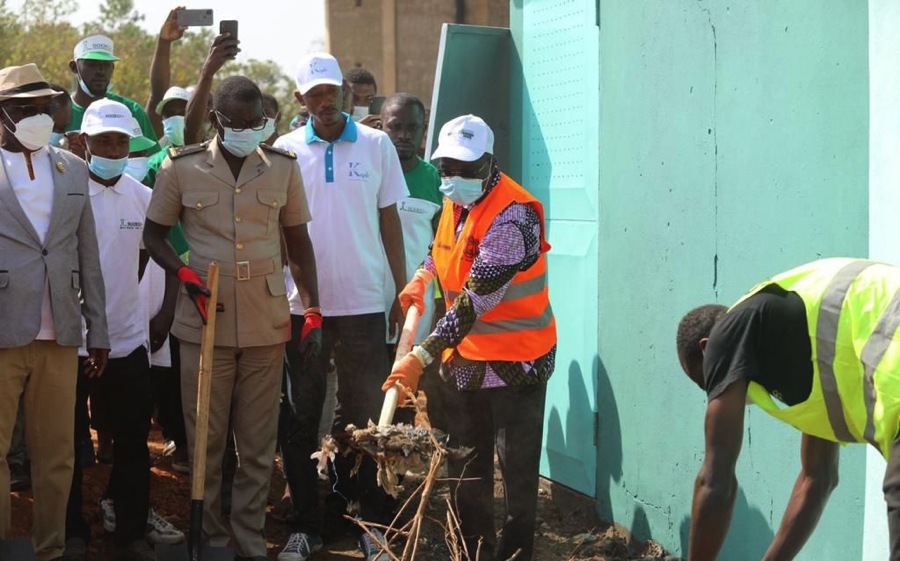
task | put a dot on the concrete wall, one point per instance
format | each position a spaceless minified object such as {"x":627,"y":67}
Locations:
{"x":884,"y":203}
{"x":733,"y":144}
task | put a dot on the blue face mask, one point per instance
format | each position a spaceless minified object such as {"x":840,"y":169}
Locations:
{"x":106,"y":168}
{"x":85,"y":89}
{"x":56,"y":139}
{"x":462,"y":190}
{"x":173,"y":128}
{"x":241,"y":143}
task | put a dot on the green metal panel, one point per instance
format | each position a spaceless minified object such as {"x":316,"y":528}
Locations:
{"x":555,"y":102}
{"x":733,"y":146}
{"x":473,"y":76}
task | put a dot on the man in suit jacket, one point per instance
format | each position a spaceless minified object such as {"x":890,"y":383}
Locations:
{"x":49,"y":278}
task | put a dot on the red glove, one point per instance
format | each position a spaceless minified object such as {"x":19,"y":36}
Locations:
{"x":311,"y":337}
{"x":413,"y":294}
{"x":406,"y":372}
{"x":196,"y":289}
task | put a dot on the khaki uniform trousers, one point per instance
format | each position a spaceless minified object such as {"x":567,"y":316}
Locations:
{"x":44,"y":374}
{"x":246,"y":383}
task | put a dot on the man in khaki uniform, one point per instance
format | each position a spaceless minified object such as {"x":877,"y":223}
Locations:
{"x":234,"y":198}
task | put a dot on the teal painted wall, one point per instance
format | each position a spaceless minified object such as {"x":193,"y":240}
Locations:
{"x":721,"y":142}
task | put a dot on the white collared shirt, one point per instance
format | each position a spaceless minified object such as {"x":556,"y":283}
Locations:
{"x":347,"y":182}
{"x":119,"y":214}
{"x":36,"y":199}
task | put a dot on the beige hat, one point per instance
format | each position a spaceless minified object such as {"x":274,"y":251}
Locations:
{"x":24,"y":82}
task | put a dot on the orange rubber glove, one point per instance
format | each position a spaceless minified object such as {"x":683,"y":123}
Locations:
{"x":406,"y":372}
{"x":413,"y":294}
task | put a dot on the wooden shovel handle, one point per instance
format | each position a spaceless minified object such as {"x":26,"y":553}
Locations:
{"x":207,"y":346}
{"x":404,"y":345}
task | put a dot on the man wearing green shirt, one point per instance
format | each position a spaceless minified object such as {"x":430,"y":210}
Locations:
{"x":93,"y":65}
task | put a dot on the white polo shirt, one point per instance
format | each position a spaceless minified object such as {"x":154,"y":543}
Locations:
{"x":119,"y":214}
{"x":347,"y":181}
{"x":36,"y":199}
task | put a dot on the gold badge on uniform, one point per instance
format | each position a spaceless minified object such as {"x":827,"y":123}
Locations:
{"x":60,"y":167}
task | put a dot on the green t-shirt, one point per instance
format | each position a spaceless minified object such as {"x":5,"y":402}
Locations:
{"x":176,"y":234}
{"x":424,"y":183}
{"x":136,"y":111}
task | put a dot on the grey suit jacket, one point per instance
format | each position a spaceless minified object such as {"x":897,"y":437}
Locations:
{"x":69,"y":255}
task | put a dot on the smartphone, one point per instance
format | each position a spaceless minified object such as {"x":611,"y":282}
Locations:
{"x":229,"y":26}
{"x":376,"y":104}
{"x":195,"y":18}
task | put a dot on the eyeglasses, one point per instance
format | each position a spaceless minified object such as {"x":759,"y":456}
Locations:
{"x":18,"y":112}
{"x":462,"y":172}
{"x":225,"y":121}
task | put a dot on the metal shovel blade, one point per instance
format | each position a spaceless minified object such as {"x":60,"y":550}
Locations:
{"x":179,"y":552}
{"x":19,"y":549}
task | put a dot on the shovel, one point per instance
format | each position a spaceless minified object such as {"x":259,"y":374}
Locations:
{"x":194,"y":550}
{"x":404,"y":345}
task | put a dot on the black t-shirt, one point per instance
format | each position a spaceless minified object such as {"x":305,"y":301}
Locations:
{"x":764,"y":339}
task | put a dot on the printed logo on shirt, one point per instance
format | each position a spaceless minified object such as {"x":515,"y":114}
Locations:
{"x":130,"y":225}
{"x":355,"y":172}
{"x":405,"y":206}
{"x":471,"y":250}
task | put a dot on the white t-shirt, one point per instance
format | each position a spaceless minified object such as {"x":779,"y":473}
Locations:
{"x":119,"y":214}
{"x":153,"y":292}
{"x":36,"y":199}
{"x":347,"y":182}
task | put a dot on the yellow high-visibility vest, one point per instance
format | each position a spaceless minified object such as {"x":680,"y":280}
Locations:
{"x":852,"y":312}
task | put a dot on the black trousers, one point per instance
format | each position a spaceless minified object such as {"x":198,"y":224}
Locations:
{"x":167,"y":395}
{"x":299,"y":431}
{"x":127,"y":383}
{"x":512,"y":419}
{"x":361,"y":358}
{"x":892,"y":498}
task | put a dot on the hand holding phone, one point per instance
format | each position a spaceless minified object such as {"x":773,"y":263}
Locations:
{"x":195,"y":18}
{"x":230,"y":26}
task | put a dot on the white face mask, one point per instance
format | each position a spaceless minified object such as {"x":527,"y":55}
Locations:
{"x":359,"y":111}
{"x":33,"y":132}
{"x":462,"y":190}
{"x":173,"y":129}
{"x":241,"y":143}
{"x":269,"y":130}
{"x":138,"y":167}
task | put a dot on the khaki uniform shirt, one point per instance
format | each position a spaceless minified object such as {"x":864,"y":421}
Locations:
{"x":238,"y":224}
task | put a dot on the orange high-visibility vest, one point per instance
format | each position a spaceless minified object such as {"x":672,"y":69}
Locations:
{"x":521,"y":327}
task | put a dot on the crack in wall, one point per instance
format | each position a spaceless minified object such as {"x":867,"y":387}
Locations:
{"x":715,"y":133}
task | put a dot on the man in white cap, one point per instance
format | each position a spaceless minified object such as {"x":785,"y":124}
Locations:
{"x":119,"y":205}
{"x":93,"y":65}
{"x":497,"y":342}
{"x":353,"y":181}
{"x":49,"y":249}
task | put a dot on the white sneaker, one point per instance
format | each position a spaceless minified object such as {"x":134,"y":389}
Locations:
{"x":300,"y":547}
{"x":160,"y":530}
{"x":108,"y":512}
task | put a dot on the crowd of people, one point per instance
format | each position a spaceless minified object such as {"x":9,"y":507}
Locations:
{"x":110,"y":214}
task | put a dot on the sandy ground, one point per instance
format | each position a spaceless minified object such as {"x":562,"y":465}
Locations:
{"x":562,"y":534}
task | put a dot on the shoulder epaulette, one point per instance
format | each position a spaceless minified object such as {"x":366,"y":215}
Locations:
{"x":286,"y":153}
{"x":176,"y":152}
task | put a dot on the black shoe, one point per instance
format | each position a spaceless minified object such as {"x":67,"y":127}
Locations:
{"x":19,"y":477}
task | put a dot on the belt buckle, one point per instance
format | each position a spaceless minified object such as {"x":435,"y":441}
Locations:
{"x":243,"y":270}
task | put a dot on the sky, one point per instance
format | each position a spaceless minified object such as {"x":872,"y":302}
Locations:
{"x":268,"y":29}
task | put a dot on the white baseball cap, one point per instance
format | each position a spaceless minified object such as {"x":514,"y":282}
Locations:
{"x":95,"y":47}
{"x":317,"y":69}
{"x":106,"y":115}
{"x":465,"y":138}
{"x":175,"y":92}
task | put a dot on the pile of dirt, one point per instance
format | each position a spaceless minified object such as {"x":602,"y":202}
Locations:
{"x":564,"y":532}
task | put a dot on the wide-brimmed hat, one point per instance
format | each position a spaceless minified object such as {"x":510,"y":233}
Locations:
{"x":24,"y":82}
